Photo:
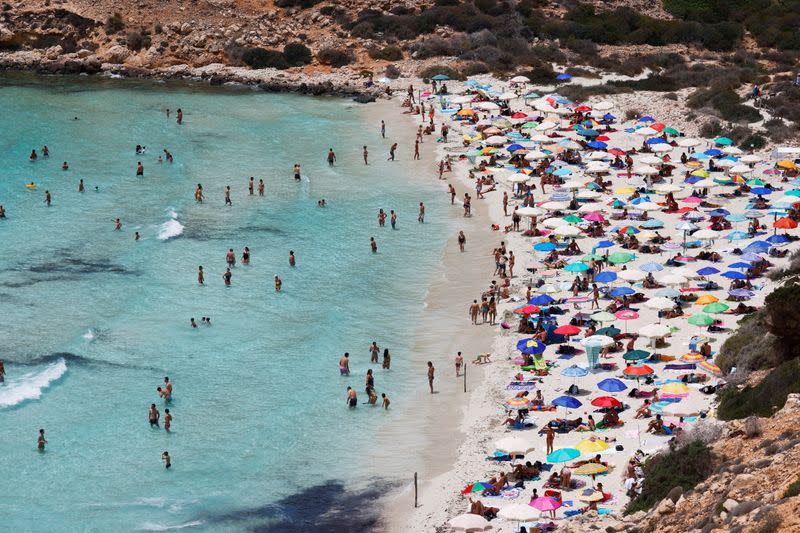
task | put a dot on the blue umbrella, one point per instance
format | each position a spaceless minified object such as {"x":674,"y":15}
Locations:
{"x":651,"y":267}
{"x":621,"y":291}
{"x":544,"y":247}
{"x":740,"y":264}
{"x":647,"y":119}
{"x":640,"y":200}
{"x":733,"y":275}
{"x":737,"y":236}
{"x":692,"y":179}
{"x":531,"y":346}
{"x":750,"y":256}
{"x":567,"y":402}
{"x":541,"y":299}
{"x":713,"y":152}
{"x":561,"y":172}
{"x":652,"y":223}
{"x":597,"y":145}
{"x":564,"y":76}
{"x":735,"y":218}
{"x":574,"y":371}
{"x":611,"y":385}
{"x":719,"y":213}
{"x":609,"y":116}
{"x":440,"y":77}
{"x":777,"y":239}
{"x":757,"y":247}
{"x":515,"y":147}
{"x":760,"y":191}
{"x":604,"y":244}
{"x":707,"y":271}
{"x":605,"y":277}
{"x":655,"y":140}
{"x":668,"y":292}
{"x":588,"y":132}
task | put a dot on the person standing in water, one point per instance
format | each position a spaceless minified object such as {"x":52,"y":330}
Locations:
{"x":198,"y":194}
{"x":374,"y":350}
{"x":297,"y":172}
{"x":392,"y":150}
{"x":47,"y":198}
{"x":393,"y":219}
{"x":2,"y":372}
{"x":383,"y":129}
{"x":230,"y":257}
{"x":431,"y":371}
{"x":200,"y":276}
{"x":139,"y":169}
{"x":387,"y":359}
{"x":385,"y":403}
{"x":228,"y":196}
{"x":366,"y":155}
{"x":153,"y":415}
{"x":261,"y":187}
{"x":421,"y":216}
{"x":80,"y":186}
{"x":352,"y":398}
{"x":373,"y":245}
{"x":331,"y":157}
{"x":344,"y":364}
{"x":251,"y":185}
{"x":117,"y":225}
{"x":41,"y":441}
{"x":136,"y":236}
{"x":246,"y":256}
{"x":165,"y":456}
{"x":292,"y":261}
{"x":33,"y":156}
{"x":227,"y":276}
{"x":180,"y":116}
{"x":462,"y":240}
{"x":167,"y":420}
{"x":278,"y":283}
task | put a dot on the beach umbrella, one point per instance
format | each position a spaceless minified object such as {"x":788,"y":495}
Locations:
{"x":567,"y":329}
{"x":605,"y":277}
{"x":514,"y":446}
{"x":660,"y":303}
{"x":609,"y":331}
{"x":527,"y":310}
{"x":652,"y":223}
{"x":517,"y":403}
{"x":591,"y":469}
{"x":651,"y":267}
{"x":612,"y":385}
{"x":469,"y":522}
{"x":591,"y":495}
{"x":701,"y":320}
{"x":674,"y":390}
{"x":476,"y":487}
{"x":692,"y":357}
{"x":668,"y":292}
{"x":707,"y":271}
{"x":541,"y":299}
{"x":592,"y":445}
{"x":520,"y":79}
{"x":531,"y":346}
{"x":440,"y":77}
{"x":545,"y":503}
{"x":603,"y":316}
{"x":741,"y":293}
{"x":784,"y":223}
{"x":567,"y":231}
{"x":606,"y":401}
{"x":628,"y":230}
{"x":711,"y":367}
{"x":574,"y":371}
{"x":733,"y":275}
{"x":544,"y":246}
{"x":519,"y":512}
{"x":620,"y":257}
{"x":706,"y":299}
{"x":635,"y":355}
{"x":577,"y":266}
{"x":638,"y":371}
{"x":777,"y":239}
{"x":631,"y":275}
{"x":621,"y":291}
{"x":672,"y":279}
{"x":562,"y":455}
{"x":568,"y":402}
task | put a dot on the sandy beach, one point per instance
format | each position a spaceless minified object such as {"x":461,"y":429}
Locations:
{"x":478,"y":419}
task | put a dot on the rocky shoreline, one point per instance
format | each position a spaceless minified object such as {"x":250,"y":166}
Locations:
{"x":342,"y":83}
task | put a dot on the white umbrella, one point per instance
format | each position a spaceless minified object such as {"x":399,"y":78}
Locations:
{"x":704,"y":183}
{"x":574,"y":185}
{"x":533,"y":156}
{"x":540,"y":138}
{"x":603,"y":106}
{"x":597,"y":167}
{"x":465,"y":99}
{"x":496,"y":140}
{"x":519,"y":512}
{"x":543,"y":107}
{"x":672,"y":279}
{"x":661,"y":148}
{"x":646,"y":132}
{"x":469,"y":522}
{"x":659,"y":303}
{"x":689,"y":142}
{"x":631,"y":275}
{"x":750,"y":158}
{"x":599,"y":156}
{"x":740,"y":169}
{"x":588,"y":194}
{"x":654,"y":331}
{"x":520,"y":79}
{"x":732,"y":150}
{"x":546,"y":126}
{"x":667,"y":187}
{"x":514,"y":445}
{"x":705,"y":234}
{"x":597,"y":340}
{"x":507,"y":96}
{"x":725,"y":163}
{"x":645,"y":170}
{"x":530,"y":211}
{"x":487,"y":106}
{"x":651,"y":160}
{"x":646,"y":206}
{"x":518,"y":178}
{"x":555,"y":222}
{"x":567,"y":231}
{"x":554,"y":206}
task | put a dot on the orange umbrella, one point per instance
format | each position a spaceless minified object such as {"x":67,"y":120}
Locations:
{"x":785,"y":223}
{"x":466,"y":112}
{"x":637,"y":371}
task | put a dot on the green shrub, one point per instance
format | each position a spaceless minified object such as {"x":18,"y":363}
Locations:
{"x":114,"y":24}
{"x":684,"y":467}
{"x":335,"y":57}
{"x":262,"y":58}
{"x":793,"y":489}
{"x":753,"y":142}
{"x":387,"y":53}
{"x":134,"y":41}
{"x":296,"y":54}
{"x":762,"y":399}
{"x":433,"y":70}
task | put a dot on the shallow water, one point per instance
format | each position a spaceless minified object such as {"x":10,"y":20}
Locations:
{"x":92,"y":321}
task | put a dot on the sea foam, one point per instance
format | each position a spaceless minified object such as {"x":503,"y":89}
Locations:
{"x":31,"y":385}
{"x":170,"y":228}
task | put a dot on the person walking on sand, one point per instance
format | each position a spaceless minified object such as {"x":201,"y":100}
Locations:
{"x":373,"y":245}
{"x":595,"y":297}
{"x":366,"y":155}
{"x":511,"y":261}
{"x":550,"y":436}
{"x":331,"y":157}
{"x":352,"y":398}
{"x":462,"y":240}
{"x":41,"y":441}
{"x":473,"y":312}
{"x":431,"y":371}
{"x":459,"y":363}
{"x":201,"y":277}
{"x":505,"y":203}
{"x":392,"y":150}
{"x":421,"y":216}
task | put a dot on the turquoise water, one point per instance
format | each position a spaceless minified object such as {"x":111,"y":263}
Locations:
{"x":92,"y":321}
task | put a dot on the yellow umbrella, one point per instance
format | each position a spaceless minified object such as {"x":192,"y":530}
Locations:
{"x":675,"y":388}
{"x":592,"y":446}
{"x":701,"y":173}
{"x":706,"y":299}
{"x":694,"y":164}
{"x":591,"y":469}
{"x":692,"y":358}
{"x":785,"y":163}
{"x":465,"y":112}
{"x":625,"y":190}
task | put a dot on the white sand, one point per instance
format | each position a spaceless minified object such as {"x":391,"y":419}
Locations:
{"x":440,"y":498}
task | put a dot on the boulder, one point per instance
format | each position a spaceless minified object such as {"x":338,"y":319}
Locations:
{"x":666,"y":506}
{"x":117,"y":54}
{"x":729,"y":504}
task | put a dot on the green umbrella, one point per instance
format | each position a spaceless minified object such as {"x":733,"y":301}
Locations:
{"x":610,"y":331}
{"x":529,"y":125}
{"x":603,"y":316}
{"x":716,"y":307}
{"x":758,"y":183}
{"x":671,"y":131}
{"x":636,"y":355}
{"x":724,"y":141}
{"x":589,"y":257}
{"x":572,"y":219}
{"x":620,"y":257}
{"x":701,"y":320}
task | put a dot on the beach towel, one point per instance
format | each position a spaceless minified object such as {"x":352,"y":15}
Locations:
{"x":508,"y":494}
{"x":521,"y":385}
{"x":680,"y":367}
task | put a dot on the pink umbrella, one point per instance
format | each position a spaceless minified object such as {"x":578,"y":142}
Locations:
{"x":626,"y":314}
{"x":594,"y":217}
{"x":545,"y":503}
{"x":692,"y":200}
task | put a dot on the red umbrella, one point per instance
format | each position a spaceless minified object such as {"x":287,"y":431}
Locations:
{"x":583,"y":108}
{"x":519,"y":114}
{"x":606,"y":401}
{"x":527,"y":310}
{"x":567,"y":329}
{"x":638,"y":370}
{"x":616,"y":151}
{"x":785,"y":223}
{"x":602,"y":138}
{"x":658,"y":126}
